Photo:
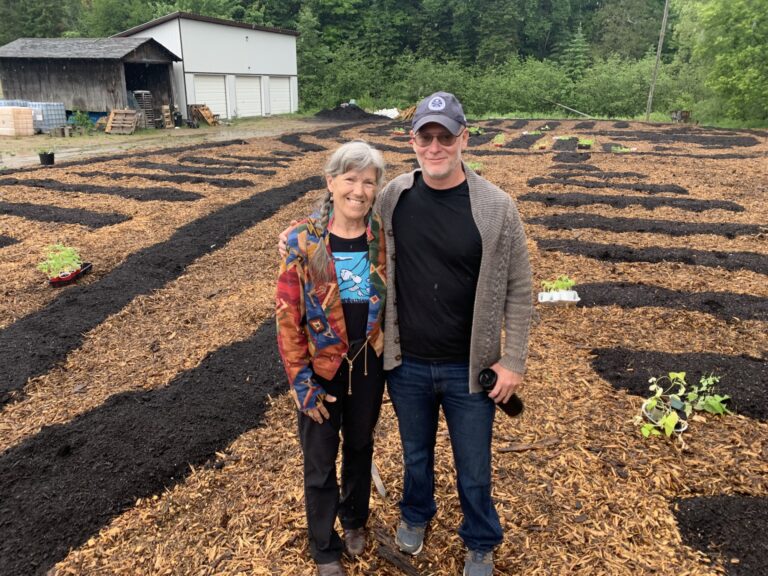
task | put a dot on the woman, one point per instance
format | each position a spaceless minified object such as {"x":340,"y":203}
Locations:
{"x":329,"y":310}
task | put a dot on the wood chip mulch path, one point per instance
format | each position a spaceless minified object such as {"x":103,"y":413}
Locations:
{"x":578,"y":490}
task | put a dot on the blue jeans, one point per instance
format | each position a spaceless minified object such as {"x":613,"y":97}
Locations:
{"x":418,"y":389}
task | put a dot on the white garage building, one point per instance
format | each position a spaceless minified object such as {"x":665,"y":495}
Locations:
{"x":236,"y":69}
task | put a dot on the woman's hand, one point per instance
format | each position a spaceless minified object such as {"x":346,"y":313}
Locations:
{"x":320,"y":413}
{"x":282,"y":240}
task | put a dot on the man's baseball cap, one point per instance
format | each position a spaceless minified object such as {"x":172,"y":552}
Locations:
{"x":443,"y":108}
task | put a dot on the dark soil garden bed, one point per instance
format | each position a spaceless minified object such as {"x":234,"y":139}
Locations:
{"x":44,"y":213}
{"x":584,"y":125}
{"x":572,"y":157}
{"x":568,"y":144}
{"x":518,"y":124}
{"x":295,"y":141}
{"x":728,"y":527}
{"x":256,"y":162}
{"x":574,"y":167}
{"x":6,"y":241}
{"x":35,"y":343}
{"x":710,"y":140}
{"x":616,"y":253}
{"x":175,"y":178}
{"x":141,"y":194}
{"x":726,"y":305}
{"x":576,"y":199}
{"x":595,"y":173}
{"x":524,"y":141}
{"x":635,"y":186}
{"x":743,"y":378}
{"x":61,"y":486}
{"x":619,"y":224}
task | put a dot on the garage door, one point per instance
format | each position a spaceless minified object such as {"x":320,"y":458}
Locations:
{"x":210,"y":90}
{"x":279,"y":95}
{"x":248,"y":95}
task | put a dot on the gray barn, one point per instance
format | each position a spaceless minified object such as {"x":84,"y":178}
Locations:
{"x":88,"y":74}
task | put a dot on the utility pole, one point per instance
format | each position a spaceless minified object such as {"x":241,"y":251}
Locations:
{"x":658,"y":58}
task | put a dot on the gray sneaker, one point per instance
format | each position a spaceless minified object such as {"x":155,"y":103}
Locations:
{"x":410,"y":539}
{"x":478,"y":563}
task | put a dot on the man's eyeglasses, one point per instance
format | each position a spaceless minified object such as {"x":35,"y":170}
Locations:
{"x":444,"y":139}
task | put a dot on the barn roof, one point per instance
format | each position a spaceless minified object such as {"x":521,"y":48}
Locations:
{"x":199,"y":18}
{"x":81,"y":48}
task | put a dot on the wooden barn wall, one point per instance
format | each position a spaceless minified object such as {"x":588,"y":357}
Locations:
{"x":147,"y":53}
{"x":91,"y":85}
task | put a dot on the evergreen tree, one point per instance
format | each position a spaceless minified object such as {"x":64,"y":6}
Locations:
{"x":575,"y":56}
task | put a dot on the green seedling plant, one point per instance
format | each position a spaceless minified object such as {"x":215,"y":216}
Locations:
{"x":60,"y":260}
{"x":475,"y":130}
{"x":475,"y":166}
{"x":400,"y":131}
{"x":534,"y":133}
{"x":45,"y":150}
{"x":562,"y":282}
{"x":498,"y":140}
{"x":673,"y":401}
{"x":620,"y":149}
{"x":585,"y":142}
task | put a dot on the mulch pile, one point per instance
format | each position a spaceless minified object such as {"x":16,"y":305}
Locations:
{"x":348,"y":112}
{"x":144,"y":427}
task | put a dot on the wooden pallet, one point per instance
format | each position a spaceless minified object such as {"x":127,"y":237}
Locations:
{"x":407,"y":114}
{"x":203,"y":113}
{"x":122,"y":122}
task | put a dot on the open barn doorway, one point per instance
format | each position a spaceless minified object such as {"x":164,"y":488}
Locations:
{"x":153,"y":82}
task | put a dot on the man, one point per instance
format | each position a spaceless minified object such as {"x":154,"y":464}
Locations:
{"x":459,"y":272}
{"x":457,"y":275}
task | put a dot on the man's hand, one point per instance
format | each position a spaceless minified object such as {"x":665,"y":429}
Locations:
{"x":321,"y":412}
{"x":282,"y":240}
{"x":507,"y":383}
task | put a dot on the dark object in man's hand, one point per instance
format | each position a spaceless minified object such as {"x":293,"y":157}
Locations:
{"x":487,"y":380}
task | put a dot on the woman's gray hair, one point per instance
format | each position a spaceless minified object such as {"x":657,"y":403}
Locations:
{"x":355,"y":155}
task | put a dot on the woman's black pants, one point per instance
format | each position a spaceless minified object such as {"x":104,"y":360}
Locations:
{"x":355,"y":417}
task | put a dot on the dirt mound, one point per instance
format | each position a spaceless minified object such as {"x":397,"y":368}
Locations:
{"x":348,"y":112}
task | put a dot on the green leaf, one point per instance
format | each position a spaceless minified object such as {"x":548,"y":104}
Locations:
{"x":669,"y":422}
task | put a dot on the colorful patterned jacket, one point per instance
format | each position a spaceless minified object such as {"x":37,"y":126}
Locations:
{"x":311,"y":334}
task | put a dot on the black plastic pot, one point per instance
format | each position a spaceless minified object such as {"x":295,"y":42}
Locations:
{"x":46,"y":158}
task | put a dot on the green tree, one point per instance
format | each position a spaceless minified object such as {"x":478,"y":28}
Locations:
{"x":575,"y":56}
{"x":734,"y":49}
{"x":313,"y":58}
{"x":628,"y":28}
{"x":102,"y":18}
{"x":37,"y":18}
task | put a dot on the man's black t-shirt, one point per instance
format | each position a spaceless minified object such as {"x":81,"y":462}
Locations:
{"x":437,"y":262}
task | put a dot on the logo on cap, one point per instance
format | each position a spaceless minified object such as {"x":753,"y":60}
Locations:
{"x":436,"y":104}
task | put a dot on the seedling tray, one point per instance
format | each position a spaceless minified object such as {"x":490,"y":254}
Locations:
{"x":69,"y":278}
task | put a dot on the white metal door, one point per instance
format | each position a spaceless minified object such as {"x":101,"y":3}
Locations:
{"x":279,"y":95}
{"x":248,"y":95}
{"x":210,"y":90}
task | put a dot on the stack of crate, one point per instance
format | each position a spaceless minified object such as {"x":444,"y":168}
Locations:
{"x":17,"y":122}
{"x":146,"y":105}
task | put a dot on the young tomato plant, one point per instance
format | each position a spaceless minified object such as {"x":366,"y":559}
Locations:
{"x":475,"y":166}
{"x":60,"y":260}
{"x":498,"y":140}
{"x":667,"y":410}
{"x":562,"y":282}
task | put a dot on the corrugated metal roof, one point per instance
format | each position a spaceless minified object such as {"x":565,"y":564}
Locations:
{"x":87,"y":48}
{"x":199,"y":18}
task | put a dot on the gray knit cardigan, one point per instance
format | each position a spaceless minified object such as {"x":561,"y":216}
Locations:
{"x":503,"y":300}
